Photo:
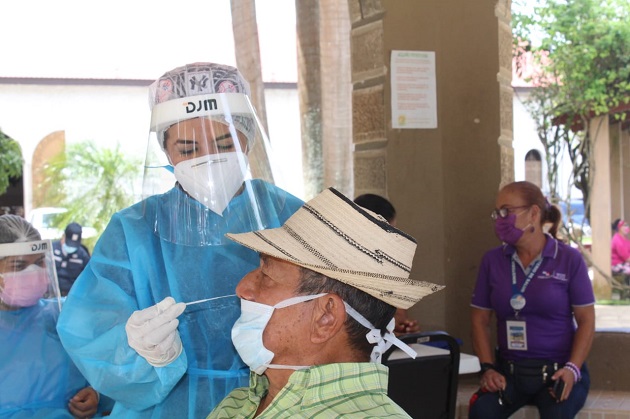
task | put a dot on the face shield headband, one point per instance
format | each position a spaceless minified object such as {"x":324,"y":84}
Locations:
{"x":28,"y":273}
{"x":233,"y":109}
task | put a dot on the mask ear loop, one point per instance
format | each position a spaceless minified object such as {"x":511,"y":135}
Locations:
{"x":286,"y":303}
{"x":382,"y":342}
{"x":299,"y":299}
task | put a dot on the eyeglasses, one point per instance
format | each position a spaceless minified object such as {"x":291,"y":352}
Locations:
{"x":504,"y":212}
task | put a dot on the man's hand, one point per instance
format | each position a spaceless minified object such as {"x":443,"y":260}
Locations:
{"x":152,"y":332}
{"x":84,"y":404}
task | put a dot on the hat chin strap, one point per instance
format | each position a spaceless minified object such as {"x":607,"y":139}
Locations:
{"x":382,"y":342}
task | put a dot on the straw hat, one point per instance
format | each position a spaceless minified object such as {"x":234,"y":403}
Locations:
{"x":332,"y":235}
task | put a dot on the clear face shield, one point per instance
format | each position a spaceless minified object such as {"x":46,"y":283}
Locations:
{"x":27,"y":274}
{"x":213,"y":146}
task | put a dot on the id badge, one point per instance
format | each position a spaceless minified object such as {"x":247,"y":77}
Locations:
{"x":516,"y":335}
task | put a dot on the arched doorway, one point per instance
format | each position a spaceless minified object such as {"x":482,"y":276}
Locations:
{"x":533,"y":168}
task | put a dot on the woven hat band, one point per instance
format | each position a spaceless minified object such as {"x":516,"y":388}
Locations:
{"x":335,"y":237}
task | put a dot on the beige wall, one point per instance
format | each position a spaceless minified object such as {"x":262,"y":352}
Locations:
{"x":442,"y":181}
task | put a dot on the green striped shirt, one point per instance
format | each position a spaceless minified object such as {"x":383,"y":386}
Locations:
{"x":348,"y":390}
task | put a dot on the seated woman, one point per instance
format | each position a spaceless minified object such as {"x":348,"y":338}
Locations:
{"x":620,"y":250}
{"x":37,"y":378}
{"x":540,"y":292}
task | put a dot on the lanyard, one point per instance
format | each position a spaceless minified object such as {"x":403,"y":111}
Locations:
{"x":528,"y":278}
{"x":517,"y":301}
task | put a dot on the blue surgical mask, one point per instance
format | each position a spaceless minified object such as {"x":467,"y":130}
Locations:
{"x":247,"y":333}
{"x":68,"y":250}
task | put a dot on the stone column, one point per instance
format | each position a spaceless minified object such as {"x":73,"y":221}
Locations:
{"x":624,"y":141}
{"x":442,"y":181}
{"x":600,"y":203}
{"x":369,"y":71}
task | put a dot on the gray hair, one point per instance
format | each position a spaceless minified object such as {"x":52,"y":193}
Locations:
{"x":377,"y":312}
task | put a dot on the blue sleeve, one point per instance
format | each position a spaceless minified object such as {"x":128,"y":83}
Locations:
{"x":92,"y":326}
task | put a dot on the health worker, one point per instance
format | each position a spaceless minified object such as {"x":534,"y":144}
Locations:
{"x":37,"y":377}
{"x":208,"y":172}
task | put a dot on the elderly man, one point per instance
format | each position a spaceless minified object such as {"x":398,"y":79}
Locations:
{"x":319,"y":307}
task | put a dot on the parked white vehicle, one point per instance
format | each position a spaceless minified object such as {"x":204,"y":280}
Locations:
{"x":42,"y":218}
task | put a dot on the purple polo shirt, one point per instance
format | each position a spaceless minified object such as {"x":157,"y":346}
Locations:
{"x":560,"y":283}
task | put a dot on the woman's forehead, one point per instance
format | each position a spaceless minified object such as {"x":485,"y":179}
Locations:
{"x":199,"y":129}
{"x":195,"y":124}
{"x":508,"y":197}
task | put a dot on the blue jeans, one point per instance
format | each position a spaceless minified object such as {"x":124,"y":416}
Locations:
{"x":528,"y":390}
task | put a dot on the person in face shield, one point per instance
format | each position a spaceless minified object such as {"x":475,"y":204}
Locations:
{"x":318,"y":313}
{"x":37,"y":377}
{"x":149,"y":318}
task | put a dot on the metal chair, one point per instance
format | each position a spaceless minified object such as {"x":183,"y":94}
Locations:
{"x":425,"y":387}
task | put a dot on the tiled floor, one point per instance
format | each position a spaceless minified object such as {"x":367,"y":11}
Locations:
{"x":599,"y":405}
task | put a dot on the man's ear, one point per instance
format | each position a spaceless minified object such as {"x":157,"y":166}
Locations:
{"x":329,"y":316}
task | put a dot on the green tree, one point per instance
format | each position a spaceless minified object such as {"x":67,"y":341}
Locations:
{"x":11,"y":161}
{"x":582,"y":63}
{"x":581,"y":51}
{"x":92,"y":183}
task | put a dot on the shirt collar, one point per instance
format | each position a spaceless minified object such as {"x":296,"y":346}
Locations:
{"x":549,"y":251}
{"x":315,"y":383}
{"x":258,"y":386}
{"x":348,"y":378}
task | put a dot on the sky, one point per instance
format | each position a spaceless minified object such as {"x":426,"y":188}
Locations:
{"x":136,"y":39}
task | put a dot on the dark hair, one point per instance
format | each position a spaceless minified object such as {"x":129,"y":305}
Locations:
{"x":532,"y":195}
{"x":615,"y":225}
{"x":378,"y":312}
{"x":377,"y":204}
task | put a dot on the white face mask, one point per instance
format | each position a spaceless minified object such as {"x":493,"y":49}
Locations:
{"x":213,"y":180}
{"x":247,"y":333}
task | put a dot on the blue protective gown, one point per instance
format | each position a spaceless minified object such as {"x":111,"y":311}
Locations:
{"x":37,"y":377}
{"x":132,"y":268}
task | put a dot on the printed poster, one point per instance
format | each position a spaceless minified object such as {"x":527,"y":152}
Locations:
{"x":413,"y":84}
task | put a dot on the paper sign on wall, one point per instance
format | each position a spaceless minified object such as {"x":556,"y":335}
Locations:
{"x":414,"y":103}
